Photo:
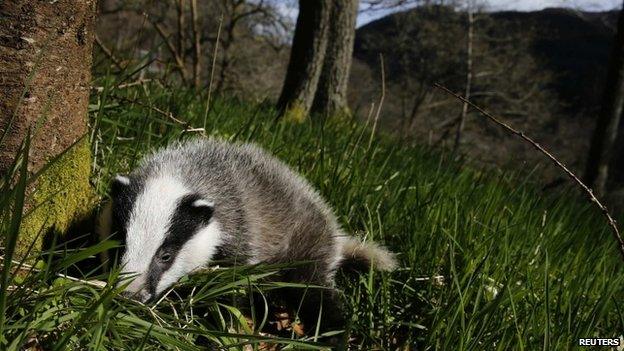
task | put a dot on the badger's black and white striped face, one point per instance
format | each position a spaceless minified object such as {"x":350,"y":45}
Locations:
{"x":169,"y":232}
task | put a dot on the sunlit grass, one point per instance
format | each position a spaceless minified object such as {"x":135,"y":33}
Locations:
{"x":488,"y":261}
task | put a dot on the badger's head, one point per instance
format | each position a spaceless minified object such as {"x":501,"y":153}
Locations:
{"x":169,"y":231}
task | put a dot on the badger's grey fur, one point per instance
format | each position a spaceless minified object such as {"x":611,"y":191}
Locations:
{"x":206,"y":200}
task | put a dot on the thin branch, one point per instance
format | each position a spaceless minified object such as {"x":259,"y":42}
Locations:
{"x":25,"y":266}
{"x":187,"y":127}
{"x":259,"y":8}
{"x":153,"y":108}
{"x":174,"y":52}
{"x":108,"y":52}
{"x":589,"y":192}
{"x":124,"y":85}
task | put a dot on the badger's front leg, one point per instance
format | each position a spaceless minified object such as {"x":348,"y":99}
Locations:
{"x":317,"y":308}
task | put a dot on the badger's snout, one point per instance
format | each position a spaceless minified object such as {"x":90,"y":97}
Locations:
{"x":142,"y":295}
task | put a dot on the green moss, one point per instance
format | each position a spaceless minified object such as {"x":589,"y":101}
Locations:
{"x":344,"y":114}
{"x":60,"y":197}
{"x":295,"y":113}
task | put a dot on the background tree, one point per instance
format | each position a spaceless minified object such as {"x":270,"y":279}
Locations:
{"x":45,"y":65}
{"x":307,"y":56}
{"x":250,"y":51}
{"x":605,"y":133}
{"x":331,"y":93}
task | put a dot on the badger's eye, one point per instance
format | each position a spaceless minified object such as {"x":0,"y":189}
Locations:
{"x":165,"y":257}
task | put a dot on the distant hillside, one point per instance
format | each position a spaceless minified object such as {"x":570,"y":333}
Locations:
{"x":572,"y":45}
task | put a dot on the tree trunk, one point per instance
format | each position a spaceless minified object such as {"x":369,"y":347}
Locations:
{"x":306,"y":59}
{"x":331,"y":93}
{"x":603,"y":139}
{"x":45,"y":73}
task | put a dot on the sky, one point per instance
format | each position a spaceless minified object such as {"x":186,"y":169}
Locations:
{"x":517,"y":5}
{"x":289,"y":8}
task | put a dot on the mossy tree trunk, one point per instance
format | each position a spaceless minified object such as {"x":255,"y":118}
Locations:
{"x":45,"y":65}
{"x":331,"y":93}
{"x":306,"y":59}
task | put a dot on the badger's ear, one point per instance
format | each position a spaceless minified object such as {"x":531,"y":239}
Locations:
{"x":202,"y":203}
{"x":199,"y":206}
{"x":120,"y":182}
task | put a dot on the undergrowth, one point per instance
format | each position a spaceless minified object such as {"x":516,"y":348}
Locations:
{"x":487,"y":260}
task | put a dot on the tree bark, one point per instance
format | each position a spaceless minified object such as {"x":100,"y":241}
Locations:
{"x":331,"y":93}
{"x":605,"y":133}
{"x":45,"y":73}
{"x":306,"y":59}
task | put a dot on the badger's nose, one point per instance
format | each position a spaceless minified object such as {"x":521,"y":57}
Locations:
{"x":142,"y":295}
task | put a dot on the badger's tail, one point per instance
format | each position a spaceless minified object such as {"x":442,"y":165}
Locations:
{"x":360,"y":256}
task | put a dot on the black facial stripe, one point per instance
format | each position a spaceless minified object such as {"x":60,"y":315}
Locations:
{"x":153,"y":276}
{"x":185,"y":223}
{"x":123,"y":197}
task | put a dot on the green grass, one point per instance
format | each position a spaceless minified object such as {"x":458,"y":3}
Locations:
{"x":488,"y":261}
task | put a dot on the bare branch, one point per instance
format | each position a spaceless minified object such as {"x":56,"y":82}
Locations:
{"x":590,"y":194}
{"x":108,"y":52}
{"x":153,"y":108}
{"x":124,"y":85}
{"x":174,"y":52}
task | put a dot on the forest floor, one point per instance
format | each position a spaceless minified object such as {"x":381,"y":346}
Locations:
{"x":487,"y":259}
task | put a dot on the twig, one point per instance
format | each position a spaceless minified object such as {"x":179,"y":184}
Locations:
{"x":124,"y":85}
{"x":30,"y":268}
{"x":212,"y":70}
{"x":108,"y":52}
{"x":187,"y":127}
{"x":174,"y":52}
{"x":153,"y":108}
{"x":590,"y":194}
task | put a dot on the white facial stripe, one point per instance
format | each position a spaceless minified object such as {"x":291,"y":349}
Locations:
{"x":195,"y":253}
{"x":202,"y":203}
{"x":149,"y":222}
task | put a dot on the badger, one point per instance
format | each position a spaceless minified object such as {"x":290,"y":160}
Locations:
{"x":207,"y":200}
